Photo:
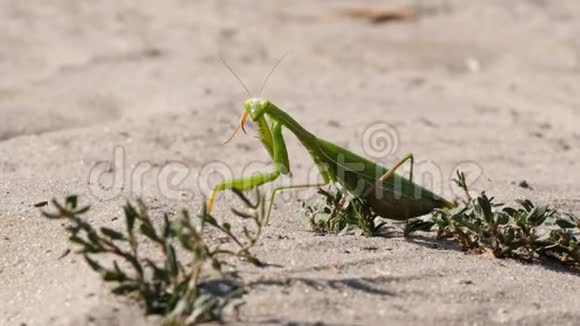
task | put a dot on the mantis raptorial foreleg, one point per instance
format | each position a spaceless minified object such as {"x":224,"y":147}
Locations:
{"x":280,"y":166}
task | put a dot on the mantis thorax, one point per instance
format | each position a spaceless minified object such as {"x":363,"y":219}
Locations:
{"x":256,"y":107}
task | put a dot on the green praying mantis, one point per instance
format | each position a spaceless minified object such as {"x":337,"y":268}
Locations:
{"x":388,"y":194}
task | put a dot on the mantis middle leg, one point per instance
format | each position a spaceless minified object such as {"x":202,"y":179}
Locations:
{"x":273,"y":195}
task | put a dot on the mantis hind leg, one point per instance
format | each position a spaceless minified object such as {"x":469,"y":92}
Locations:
{"x":384,"y":177}
{"x":391,"y":172}
{"x":408,"y":157}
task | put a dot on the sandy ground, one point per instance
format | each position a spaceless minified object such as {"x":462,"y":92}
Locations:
{"x":488,"y":86}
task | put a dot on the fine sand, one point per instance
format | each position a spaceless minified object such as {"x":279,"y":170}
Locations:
{"x":112,"y":99}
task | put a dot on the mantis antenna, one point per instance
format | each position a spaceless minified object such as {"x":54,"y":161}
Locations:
{"x":247,"y":91}
{"x":272,"y":71}
{"x":235,"y":75}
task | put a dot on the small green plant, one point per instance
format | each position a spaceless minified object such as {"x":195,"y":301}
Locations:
{"x":524,"y":231}
{"x":333,"y":213}
{"x":175,"y":287}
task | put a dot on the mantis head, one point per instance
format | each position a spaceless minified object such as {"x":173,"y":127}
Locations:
{"x":253,"y":108}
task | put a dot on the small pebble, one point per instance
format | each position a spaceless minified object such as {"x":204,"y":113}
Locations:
{"x":472,"y":65}
{"x":41,"y":204}
{"x":523,"y":184}
{"x":334,"y":123}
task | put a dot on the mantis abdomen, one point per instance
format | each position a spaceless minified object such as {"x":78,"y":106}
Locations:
{"x":395,"y":198}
